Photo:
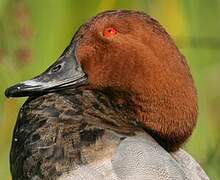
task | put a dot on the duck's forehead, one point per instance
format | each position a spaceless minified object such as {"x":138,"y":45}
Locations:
{"x":96,"y":23}
{"x":117,"y":19}
{"x":123,"y":20}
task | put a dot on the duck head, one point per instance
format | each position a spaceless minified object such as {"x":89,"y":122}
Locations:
{"x":130,"y":52}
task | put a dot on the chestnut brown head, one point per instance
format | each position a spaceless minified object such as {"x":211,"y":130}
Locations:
{"x":130,"y":52}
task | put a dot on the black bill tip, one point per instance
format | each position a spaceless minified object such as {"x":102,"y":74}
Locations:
{"x":18,"y":90}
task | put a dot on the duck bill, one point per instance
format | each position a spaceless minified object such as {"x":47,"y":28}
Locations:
{"x":66,"y":72}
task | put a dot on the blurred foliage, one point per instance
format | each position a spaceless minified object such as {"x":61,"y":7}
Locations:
{"x":34,"y":33}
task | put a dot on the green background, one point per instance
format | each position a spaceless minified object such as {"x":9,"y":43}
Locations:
{"x":34,"y":33}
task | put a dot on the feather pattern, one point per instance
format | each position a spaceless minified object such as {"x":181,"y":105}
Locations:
{"x":82,"y":134}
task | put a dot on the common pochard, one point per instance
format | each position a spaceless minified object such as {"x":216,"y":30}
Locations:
{"x":117,"y":104}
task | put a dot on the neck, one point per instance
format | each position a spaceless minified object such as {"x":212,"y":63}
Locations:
{"x":168,"y":121}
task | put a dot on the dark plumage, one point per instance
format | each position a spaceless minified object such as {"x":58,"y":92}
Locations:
{"x":54,"y":132}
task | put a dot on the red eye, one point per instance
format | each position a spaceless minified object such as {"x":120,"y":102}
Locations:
{"x":108,"y":32}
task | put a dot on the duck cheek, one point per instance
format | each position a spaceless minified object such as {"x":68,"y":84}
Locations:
{"x":95,"y":80}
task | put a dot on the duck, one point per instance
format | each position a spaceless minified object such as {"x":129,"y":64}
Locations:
{"x":119,"y":103}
